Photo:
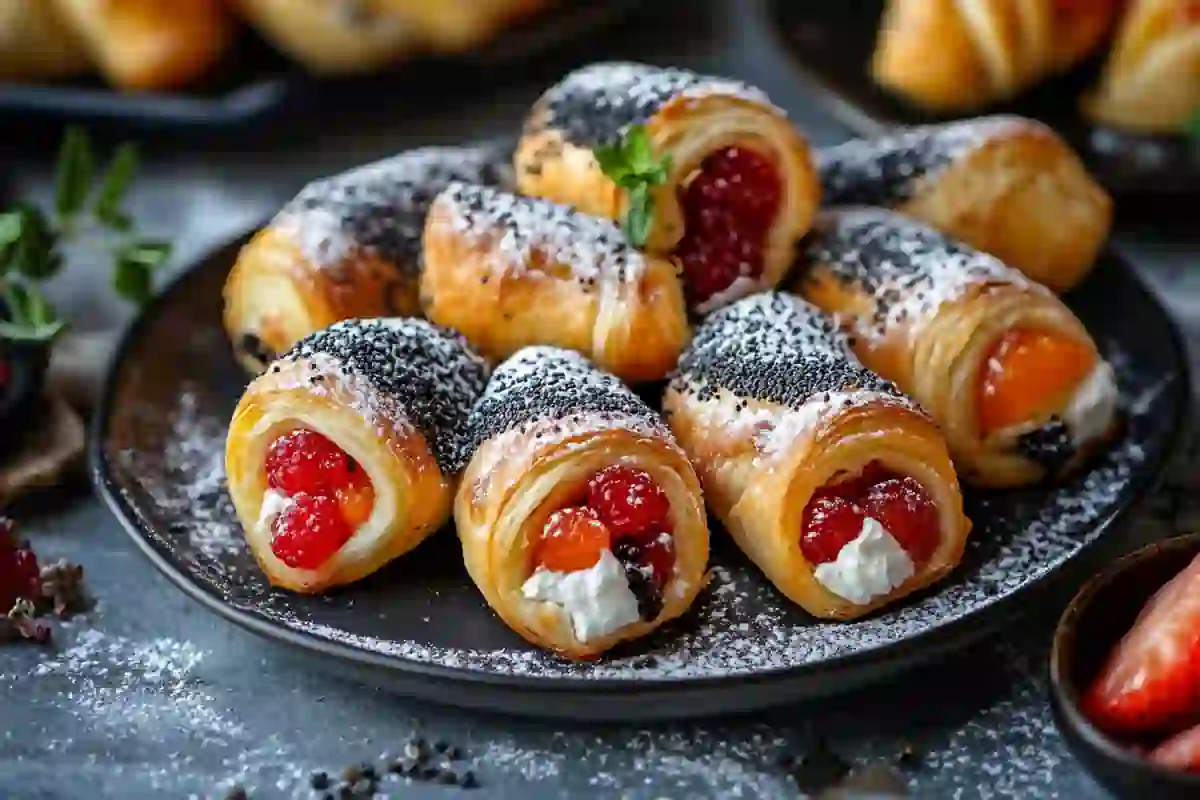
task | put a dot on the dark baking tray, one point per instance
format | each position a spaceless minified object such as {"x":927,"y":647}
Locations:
{"x":255,"y":87}
{"x":832,"y":43}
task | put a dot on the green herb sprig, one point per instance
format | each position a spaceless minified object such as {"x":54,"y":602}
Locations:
{"x":1193,"y":128}
{"x":85,"y":213}
{"x":632,"y":165}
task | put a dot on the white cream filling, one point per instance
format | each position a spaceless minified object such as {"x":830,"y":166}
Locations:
{"x":1093,"y":406}
{"x":598,"y":600}
{"x":273,"y":504}
{"x":740,"y":287}
{"x":871,"y":565}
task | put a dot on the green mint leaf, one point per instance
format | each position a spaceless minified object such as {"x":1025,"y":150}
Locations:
{"x":133,"y":281}
{"x":637,"y":221}
{"x":34,"y":254}
{"x":148,"y":253}
{"x":638,"y":151}
{"x":116,"y":182}
{"x":31,"y":317}
{"x":1193,"y":127}
{"x":11,"y":225}
{"x":75,"y":170}
{"x":612,"y":161}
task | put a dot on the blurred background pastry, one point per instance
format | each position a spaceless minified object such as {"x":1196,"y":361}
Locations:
{"x":35,"y":44}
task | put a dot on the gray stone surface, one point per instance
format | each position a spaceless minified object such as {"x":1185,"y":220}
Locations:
{"x":152,"y":697}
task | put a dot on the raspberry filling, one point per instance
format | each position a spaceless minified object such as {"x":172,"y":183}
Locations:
{"x":622,"y":510}
{"x":329,"y":496}
{"x":834,"y":516}
{"x":1026,"y":371}
{"x":20,"y":577}
{"x":728,"y":208}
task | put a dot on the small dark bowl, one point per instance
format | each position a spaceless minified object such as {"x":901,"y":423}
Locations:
{"x":23,"y":367}
{"x":1101,"y":613}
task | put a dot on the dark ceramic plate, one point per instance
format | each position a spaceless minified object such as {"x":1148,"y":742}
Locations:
{"x":833,"y":43}
{"x":1093,"y":623}
{"x":421,"y":627}
{"x":256,"y":85}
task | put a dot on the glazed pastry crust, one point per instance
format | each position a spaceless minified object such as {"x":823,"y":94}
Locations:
{"x":938,"y":361}
{"x":1025,"y":197}
{"x":632,"y":328}
{"x":1151,"y":83}
{"x":36,"y":44}
{"x":958,"y":55}
{"x":277,"y":293}
{"x":516,"y":479}
{"x":760,"y":497}
{"x":689,"y":129}
{"x":412,"y":496}
{"x":458,"y":25}
{"x":328,"y":37}
{"x":150,"y":44}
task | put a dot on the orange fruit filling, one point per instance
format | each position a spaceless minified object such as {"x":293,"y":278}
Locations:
{"x":1026,"y":372}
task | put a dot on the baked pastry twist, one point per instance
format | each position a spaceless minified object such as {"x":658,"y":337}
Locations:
{"x":1009,"y":373}
{"x":340,"y":456}
{"x":840,"y":489}
{"x":459,"y":25}
{"x":347,"y":246}
{"x":510,"y":271}
{"x":958,"y":55}
{"x":36,"y":43}
{"x":1006,"y":185}
{"x":741,"y":188}
{"x":581,"y":519}
{"x":1152,"y":80}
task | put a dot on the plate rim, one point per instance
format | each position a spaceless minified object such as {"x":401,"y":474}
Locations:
{"x":854,"y":667}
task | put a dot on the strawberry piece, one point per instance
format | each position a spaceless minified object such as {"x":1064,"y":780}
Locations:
{"x":309,"y":531}
{"x":572,"y":539}
{"x":1180,"y":752}
{"x":831,"y":521}
{"x":20,"y":576}
{"x":628,"y":501}
{"x":903,"y":507}
{"x":304,"y":461}
{"x":728,"y":209}
{"x":1151,"y":680}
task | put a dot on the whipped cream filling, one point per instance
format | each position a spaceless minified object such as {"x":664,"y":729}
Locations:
{"x":1093,"y":406}
{"x":273,"y":504}
{"x":870,"y":566}
{"x":598,"y":600}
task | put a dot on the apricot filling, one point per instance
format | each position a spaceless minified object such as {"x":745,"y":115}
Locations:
{"x":836,"y":513}
{"x":621,"y":510}
{"x":328,"y":497}
{"x":728,"y":208}
{"x":1027,"y":372}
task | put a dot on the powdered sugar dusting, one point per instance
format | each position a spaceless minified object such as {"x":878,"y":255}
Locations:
{"x":522,"y":232}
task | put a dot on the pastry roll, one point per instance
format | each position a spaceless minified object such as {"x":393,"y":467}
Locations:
{"x":741,"y":188}
{"x":1152,"y":80}
{"x":957,"y":55}
{"x":839,"y":488}
{"x":150,"y":45}
{"x":1011,"y":376}
{"x":581,"y":519}
{"x":36,"y":44}
{"x":1006,"y":185}
{"x":347,"y":246}
{"x":509,"y":271}
{"x":332,"y":37}
{"x":457,"y":25}
{"x":339,"y":456}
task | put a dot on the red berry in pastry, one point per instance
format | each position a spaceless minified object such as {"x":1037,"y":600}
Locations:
{"x":1152,"y":678}
{"x":1027,"y":371}
{"x":649,"y":562}
{"x":573,"y":539}
{"x":904,"y":507}
{"x":628,"y":501}
{"x":1180,"y":752}
{"x":306,"y":461}
{"x":728,"y":208}
{"x":309,"y":531}
{"x":831,"y":521}
{"x":20,"y":576}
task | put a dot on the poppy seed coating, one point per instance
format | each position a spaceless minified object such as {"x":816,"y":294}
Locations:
{"x":593,"y":106}
{"x":889,"y":170}
{"x":773,"y":347}
{"x":549,"y":383}
{"x":381,"y":207}
{"x":429,"y":372}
